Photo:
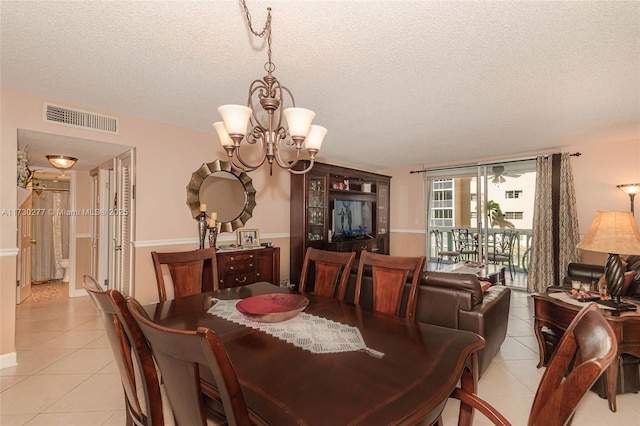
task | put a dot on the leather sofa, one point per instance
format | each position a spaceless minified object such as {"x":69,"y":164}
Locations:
{"x":454,"y":301}
{"x":591,"y":274}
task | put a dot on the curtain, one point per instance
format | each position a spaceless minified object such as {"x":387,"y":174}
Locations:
{"x":555,"y":223}
{"x":51,"y":233}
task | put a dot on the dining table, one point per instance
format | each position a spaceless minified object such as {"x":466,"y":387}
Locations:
{"x":399,"y":372}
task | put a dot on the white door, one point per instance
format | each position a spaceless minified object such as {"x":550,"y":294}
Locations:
{"x":123,"y":214}
{"x":24,"y":251}
{"x":114,"y":185}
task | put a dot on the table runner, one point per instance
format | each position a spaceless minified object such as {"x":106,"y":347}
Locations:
{"x":306,"y":331}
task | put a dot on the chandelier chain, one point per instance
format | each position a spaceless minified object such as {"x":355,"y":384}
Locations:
{"x":269,"y":66}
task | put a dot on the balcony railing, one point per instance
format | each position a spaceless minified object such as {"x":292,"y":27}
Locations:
{"x":521,"y":247}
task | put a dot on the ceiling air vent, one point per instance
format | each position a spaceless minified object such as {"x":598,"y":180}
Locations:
{"x":78,"y":118}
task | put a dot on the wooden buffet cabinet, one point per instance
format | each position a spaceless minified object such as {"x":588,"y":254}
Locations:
{"x":246,"y":266}
{"x":316,"y":223}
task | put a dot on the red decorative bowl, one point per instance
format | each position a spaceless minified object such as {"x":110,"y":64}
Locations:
{"x":274,"y":307}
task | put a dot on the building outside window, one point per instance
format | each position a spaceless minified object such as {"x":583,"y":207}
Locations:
{"x":513,"y":193}
{"x":513,"y":215}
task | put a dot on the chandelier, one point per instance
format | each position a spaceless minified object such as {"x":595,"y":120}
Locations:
{"x":264,"y":117}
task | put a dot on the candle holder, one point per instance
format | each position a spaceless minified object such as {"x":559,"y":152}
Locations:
{"x":213,"y":235}
{"x":202,"y":228}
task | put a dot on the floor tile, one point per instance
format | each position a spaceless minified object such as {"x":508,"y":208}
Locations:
{"x":118,"y":418}
{"x":16,"y":419}
{"x":99,"y":393}
{"x":71,"y":419}
{"x":74,"y":339}
{"x":7,"y":381}
{"x":35,"y":360}
{"x":34,"y":394}
{"x":81,"y":361}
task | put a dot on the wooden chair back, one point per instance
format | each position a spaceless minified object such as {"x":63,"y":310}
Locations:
{"x":590,"y":343}
{"x":191,"y":272}
{"x":179,"y":355}
{"x":129,"y":346}
{"x":331,"y":271}
{"x":389,"y":275}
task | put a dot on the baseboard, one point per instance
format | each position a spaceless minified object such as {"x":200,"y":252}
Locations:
{"x":8,"y":360}
{"x":78,"y":293}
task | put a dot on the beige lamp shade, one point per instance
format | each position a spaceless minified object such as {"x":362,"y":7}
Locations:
{"x":612,"y":232}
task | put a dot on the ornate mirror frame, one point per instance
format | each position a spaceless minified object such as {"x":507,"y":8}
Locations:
{"x":207,"y":169}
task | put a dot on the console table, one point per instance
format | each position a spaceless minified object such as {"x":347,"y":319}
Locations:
{"x":556,"y":311}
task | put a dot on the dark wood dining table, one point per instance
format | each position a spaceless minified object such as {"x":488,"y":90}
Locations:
{"x":285,"y":384}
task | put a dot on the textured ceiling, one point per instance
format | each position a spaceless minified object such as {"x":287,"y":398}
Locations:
{"x":395,"y":82}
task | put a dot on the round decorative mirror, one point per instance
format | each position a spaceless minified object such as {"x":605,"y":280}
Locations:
{"x":225,"y":190}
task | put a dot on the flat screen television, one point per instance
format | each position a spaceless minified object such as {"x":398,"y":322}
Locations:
{"x":352,"y":218}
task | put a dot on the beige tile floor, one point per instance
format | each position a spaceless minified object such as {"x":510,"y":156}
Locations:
{"x":66,"y":374}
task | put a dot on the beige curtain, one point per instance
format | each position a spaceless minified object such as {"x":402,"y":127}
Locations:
{"x":555,"y":223}
{"x":51,"y":233}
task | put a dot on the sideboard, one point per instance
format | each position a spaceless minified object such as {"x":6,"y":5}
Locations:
{"x":247,"y":266}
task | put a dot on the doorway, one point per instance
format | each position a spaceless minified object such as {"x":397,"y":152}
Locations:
{"x":77,"y":222}
{"x":483,"y":201}
{"x":51,"y":233}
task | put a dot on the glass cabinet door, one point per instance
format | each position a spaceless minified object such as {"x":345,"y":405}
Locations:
{"x":383,"y":208}
{"x":316,"y":213}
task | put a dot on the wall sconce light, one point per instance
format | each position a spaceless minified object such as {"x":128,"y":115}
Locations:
{"x":630,"y":189}
{"x":62,"y":162}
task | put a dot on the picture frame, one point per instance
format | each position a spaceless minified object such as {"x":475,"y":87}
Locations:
{"x":248,"y":237}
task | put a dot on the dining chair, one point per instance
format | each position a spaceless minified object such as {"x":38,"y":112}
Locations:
{"x":132,"y":353}
{"x":330,"y":269}
{"x":502,"y":249}
{"x":466,"y":244}
{"x":388,"y":278}
{"x":442,"y":252}
{"x":192,"y":272}
{"x":590,"y":345}
{"x":180,"y":356}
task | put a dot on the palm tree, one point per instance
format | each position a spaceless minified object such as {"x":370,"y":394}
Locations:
{"x":496,"y":217}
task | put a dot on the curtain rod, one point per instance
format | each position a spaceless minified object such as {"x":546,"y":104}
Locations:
{"x":575,"y":154}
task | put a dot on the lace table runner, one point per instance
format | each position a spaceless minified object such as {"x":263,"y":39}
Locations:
{"x":306,"y":331}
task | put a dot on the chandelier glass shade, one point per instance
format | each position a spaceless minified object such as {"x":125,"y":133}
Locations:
{"x":265,"y":121}
{"x":62,"y":162}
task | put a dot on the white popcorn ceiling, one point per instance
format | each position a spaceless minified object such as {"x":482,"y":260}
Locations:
{"x":397,"y":83}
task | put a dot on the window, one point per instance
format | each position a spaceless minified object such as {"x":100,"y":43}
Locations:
{"x":443,"y":214}
{"x":513,"y":215}
{"x":513,"y":194}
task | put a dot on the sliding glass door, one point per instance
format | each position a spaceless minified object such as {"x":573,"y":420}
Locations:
{"x":480,"y":202}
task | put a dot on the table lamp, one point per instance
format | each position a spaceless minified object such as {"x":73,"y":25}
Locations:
{"x":614,"y":233}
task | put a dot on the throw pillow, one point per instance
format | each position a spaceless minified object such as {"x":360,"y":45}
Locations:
{"x":484,"y":286}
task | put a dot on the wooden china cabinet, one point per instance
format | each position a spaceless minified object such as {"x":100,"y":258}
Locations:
{"x":338,"y":209}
